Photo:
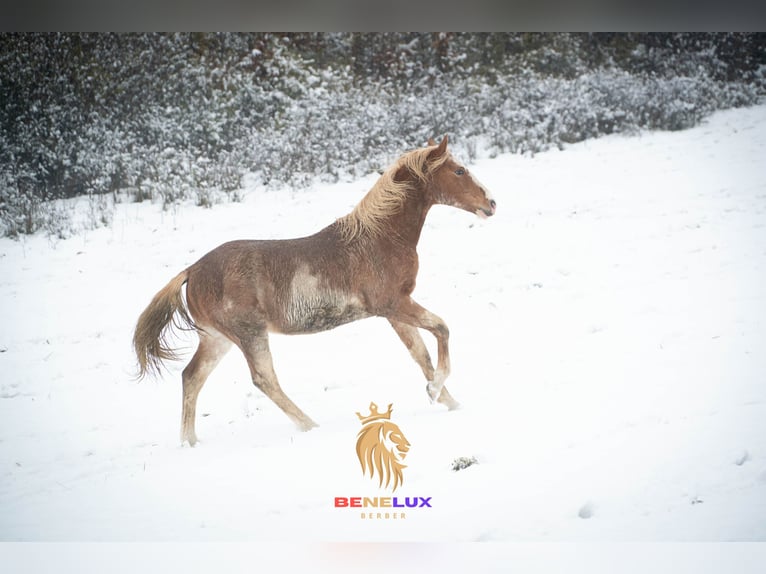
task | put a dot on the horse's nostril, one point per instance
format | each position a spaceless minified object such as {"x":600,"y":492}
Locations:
{"x":492,"y":203}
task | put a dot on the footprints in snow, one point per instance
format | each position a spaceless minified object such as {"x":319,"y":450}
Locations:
{"x":586,"y":510}
{"x":742,"y":458}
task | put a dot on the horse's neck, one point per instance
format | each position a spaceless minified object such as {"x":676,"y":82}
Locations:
{"x":406,"y":225}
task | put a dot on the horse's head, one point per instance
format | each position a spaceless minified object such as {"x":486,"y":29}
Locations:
{"x":452,"y":184}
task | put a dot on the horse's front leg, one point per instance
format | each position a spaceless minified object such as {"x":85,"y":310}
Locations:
{"x":411,"y":338}
{"x":410,"y":313}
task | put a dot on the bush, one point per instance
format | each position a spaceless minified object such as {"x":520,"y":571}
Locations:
{"x":172,"y":117}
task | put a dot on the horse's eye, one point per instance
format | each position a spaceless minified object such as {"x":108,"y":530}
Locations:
{"x":460,"y":171}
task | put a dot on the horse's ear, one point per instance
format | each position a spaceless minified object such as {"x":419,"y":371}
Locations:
{"x":439,"y":151}
{"x":431,"y":142}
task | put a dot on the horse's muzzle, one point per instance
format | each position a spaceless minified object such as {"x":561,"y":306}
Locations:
{"x":481,"y":212}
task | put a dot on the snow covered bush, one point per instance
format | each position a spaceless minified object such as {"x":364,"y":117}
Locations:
{"x":463,"y":462}
{"x":177,"y":117}
{"x":18,"y":205}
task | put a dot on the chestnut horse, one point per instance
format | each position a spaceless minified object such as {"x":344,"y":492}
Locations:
{"x":362,"y":265}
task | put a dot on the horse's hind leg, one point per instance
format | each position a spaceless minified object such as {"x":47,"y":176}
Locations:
{"x":211,"y":349}
{"x":411,"y":338}
{"x":262,"y":370}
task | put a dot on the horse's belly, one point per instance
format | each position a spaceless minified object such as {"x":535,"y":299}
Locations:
{"x":312,"y":315}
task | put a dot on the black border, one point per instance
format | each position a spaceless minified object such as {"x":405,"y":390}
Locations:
{"x":382,"y":15}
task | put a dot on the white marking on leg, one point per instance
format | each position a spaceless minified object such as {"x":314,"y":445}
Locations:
{"x":435,"y":387}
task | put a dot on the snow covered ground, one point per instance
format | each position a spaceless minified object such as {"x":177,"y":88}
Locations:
{"x":608,"y":331}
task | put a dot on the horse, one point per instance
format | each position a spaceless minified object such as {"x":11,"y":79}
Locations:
{"x":364,"y":264}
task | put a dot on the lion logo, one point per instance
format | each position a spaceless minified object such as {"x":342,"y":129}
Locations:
{"x":381,"y":447}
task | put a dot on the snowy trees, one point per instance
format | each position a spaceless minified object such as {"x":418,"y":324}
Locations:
{"x":184,"y":116}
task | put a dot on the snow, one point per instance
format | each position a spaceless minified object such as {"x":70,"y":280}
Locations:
{"x":607,"y":330}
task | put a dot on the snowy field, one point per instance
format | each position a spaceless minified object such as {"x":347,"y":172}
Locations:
{"x":608,"y":332}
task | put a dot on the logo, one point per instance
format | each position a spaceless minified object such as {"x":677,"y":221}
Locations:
{"x":381,"y":447}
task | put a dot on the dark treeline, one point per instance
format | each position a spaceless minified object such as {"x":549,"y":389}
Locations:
{"x":178,"y":116}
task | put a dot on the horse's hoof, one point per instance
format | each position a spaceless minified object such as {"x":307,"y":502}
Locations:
{"x":190,"y":438}
{"x":306,"y":426}
{"x":452,"y":405}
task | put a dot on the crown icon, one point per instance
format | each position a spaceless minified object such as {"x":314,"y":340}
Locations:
{"x":374,"y":414}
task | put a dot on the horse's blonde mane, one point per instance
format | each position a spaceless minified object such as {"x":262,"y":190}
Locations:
{"x":374,"y":455}
{"x":387,"y":195}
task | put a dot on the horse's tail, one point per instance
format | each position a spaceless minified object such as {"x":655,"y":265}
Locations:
{"x":165,"y":313}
